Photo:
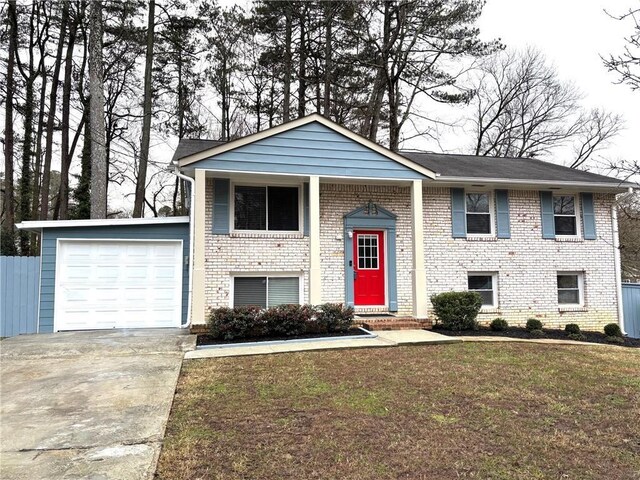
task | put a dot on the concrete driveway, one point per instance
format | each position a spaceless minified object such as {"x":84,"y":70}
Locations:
{"x":87,"y":404}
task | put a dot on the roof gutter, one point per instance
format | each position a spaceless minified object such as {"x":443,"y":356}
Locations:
{"x":192,"y":201}
{"x":550,"y":183}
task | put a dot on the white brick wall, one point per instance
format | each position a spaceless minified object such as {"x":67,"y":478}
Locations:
{"x":526,"y":264}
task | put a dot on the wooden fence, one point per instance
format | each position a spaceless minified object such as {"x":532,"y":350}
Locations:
{"x":19,"y":279}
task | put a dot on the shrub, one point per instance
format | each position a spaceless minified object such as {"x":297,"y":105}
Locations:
{"x":612,"y":330}
{"x":457,"y":310}
{"x":572,"y":329}
{"x":577,"y":336}
{"x":615,"y":339}
{"x":233,"y":323}
{"x":334,"y":317}
{"x":534,"y":324}
{"x":499,"y":325}
{"x":289,"y":320}
{"x":536,"y":333}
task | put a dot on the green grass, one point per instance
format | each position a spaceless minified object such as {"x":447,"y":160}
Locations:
{"x":473,"y":410}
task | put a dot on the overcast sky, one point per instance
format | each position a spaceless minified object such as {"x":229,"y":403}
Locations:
{"x":573,"y":34}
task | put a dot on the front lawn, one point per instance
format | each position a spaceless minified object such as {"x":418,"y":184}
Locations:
{"x":472,"y":410}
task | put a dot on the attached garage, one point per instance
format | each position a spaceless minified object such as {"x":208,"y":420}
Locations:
{"x":106,"y":274}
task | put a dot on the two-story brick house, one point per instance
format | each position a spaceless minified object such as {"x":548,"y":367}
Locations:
{"x":309,"y":212}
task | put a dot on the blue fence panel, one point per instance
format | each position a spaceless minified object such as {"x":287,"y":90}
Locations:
{"x":631,"y":305}
{"x":19,"y":279}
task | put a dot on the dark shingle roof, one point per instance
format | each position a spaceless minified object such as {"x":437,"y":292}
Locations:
{"x":189,"y":146}
{"x":472,"y":166}
{"x":457,"y":165}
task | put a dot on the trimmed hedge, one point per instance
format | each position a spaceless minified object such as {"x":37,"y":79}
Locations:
{"x":572,"y":329}
{"x":457,"y":310}
{"x":280,"y":321}
{"x":612,"y":330}
{"x":533,"y":324}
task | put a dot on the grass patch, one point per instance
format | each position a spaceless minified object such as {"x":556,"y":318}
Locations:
{"x":498,"y":411}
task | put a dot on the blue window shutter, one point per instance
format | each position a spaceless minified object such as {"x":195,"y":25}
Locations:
{"x":502,"y":213}
{"x":546,"y":210}
{"x":458,"y":213}
{"x":588,"y":216}
{"x":220,"y":206}
{"x":305,"y":209}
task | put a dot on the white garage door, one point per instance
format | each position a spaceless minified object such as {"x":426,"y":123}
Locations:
{"x":118,"y":284}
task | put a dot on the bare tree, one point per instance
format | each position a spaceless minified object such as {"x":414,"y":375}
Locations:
{"x":629,"y":231}
{"x":627,"y":63}
{"x":522,"y":109}
{"x":96,"y":114}
{"x":8,"y":200}
{"x":146,"y":122}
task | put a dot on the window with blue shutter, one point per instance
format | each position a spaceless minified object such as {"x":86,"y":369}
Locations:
{"x":221,"y":206}
{"x":547,"y":214}
{"x":588,"y":216}
{"x":458,"y":213}
{"x":502,"y":214}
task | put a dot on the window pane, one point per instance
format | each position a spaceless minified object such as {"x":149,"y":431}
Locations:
{"x":565,"y":225}
{"x":478,"y":223}
{"x":250,"y":208}
{"x":564,"y":205}
{"x":567,"y":281}
{"x":569,"y":296}
{"x":283,"y":208}
{"x":250,"y":291}
{"x":284,"y":291}
{"x":487,"y":298}
{"x":478,"y":202}
{"x":480,"y":282}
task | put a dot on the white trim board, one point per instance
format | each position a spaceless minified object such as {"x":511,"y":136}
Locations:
{"x":38,"y":225}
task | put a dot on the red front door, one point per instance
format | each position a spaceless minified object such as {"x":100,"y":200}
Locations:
{"x":368,"y":267}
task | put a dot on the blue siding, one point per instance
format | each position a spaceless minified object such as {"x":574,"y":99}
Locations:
{"x":18,"y":295}
{"x":311,"y":149}
{"x":631,"y":305}
{"x":169,"y":231}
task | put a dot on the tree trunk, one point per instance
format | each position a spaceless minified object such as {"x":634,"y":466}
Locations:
{"x":8,"y":231}
{"x":326,"y":109}
{"x":302,"y":73}
{"x":141,"y":181}
{"x":65,"y":155}
{"x":286,"y":99}
{"x":53,"y":98}
{"x":96,"y":114}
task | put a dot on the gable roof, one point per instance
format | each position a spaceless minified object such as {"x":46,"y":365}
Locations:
{"x":214,"y":150}
{"x":504,"y":168}
{"x":188,"y":147}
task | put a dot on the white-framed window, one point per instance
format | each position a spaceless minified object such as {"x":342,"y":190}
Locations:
{"x":479,"y":213}
{"x":565,"y":215}
{"x":265,"y":290}
{"x":267,"y":208}
{"x":570,"y":288}
{"x":486,"y":284}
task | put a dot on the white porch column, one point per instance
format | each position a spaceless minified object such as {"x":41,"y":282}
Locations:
{"x":418,"y":273}
{"x":198,"y":296}
{"x":315,"y":277}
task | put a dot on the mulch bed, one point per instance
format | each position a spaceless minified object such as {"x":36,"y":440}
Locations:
{"x":520,"y":332}
{"x":209,"y":340}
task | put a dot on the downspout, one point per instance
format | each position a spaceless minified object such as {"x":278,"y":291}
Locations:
{"x":617,"y":267}
{"x":192,"y":199}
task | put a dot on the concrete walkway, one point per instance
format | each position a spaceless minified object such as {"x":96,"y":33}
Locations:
{"x":87,"y":404}
{"x":384,"y":338}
